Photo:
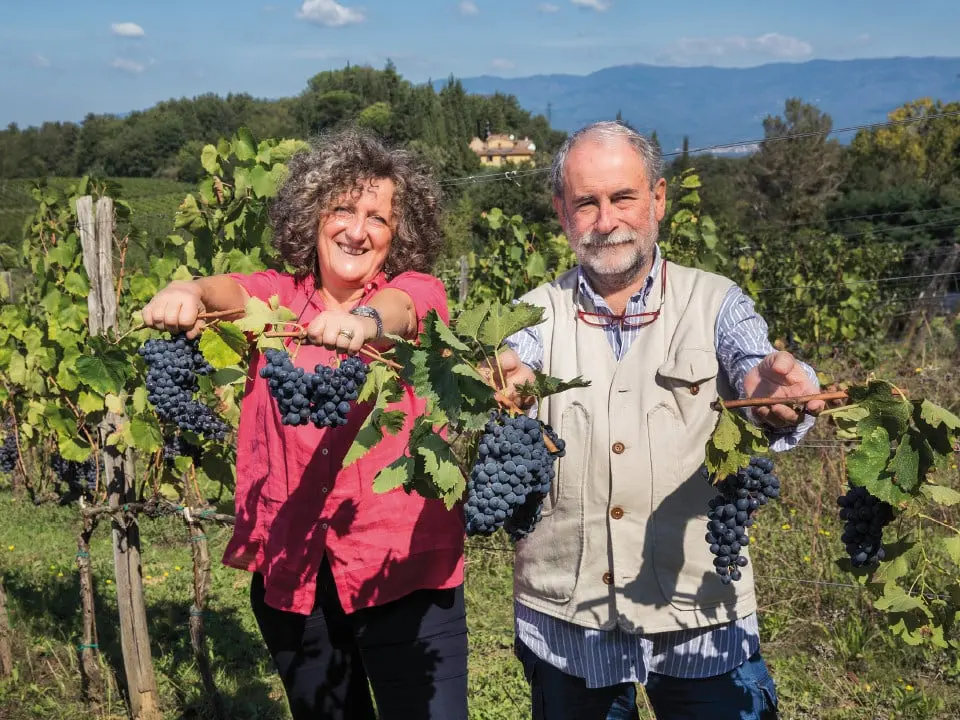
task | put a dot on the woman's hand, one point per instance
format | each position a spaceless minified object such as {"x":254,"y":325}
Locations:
{"x":175,"y":308}
{"x":339,"y":330}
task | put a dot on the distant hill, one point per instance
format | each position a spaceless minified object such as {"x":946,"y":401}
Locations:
{"x":722,"y":105}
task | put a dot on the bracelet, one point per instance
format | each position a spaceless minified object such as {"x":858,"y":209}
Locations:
{"x":369,"y":312}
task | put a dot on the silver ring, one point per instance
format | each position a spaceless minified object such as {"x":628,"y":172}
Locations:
{"x":348,"y":334}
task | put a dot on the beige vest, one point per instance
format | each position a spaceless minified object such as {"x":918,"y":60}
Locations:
{"x":621,"y":540}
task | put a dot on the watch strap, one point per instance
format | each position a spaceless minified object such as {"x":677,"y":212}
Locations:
{"x":369,"y":312}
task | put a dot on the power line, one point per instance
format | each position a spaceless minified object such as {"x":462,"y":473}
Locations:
{"x":514,"y":174}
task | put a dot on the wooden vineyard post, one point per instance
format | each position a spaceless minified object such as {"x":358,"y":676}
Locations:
{"x":201,"y":586}
{"x":89,"y":647}
{"x":119,"y":474}
{"x":6,"y":653}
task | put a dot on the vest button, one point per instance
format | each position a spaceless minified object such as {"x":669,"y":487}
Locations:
{"x":616,"y":513}
{"x":619,"y":447}
{"x":607,"y":579}
{"x":694,"y":389}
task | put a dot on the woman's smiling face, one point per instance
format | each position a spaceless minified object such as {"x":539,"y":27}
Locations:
{"x":354,"y":237}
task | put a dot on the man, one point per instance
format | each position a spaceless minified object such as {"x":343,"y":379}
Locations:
{"x":617,"y":585}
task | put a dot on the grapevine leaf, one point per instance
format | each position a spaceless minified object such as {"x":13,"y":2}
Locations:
{"x":209,"y":159}
{"x":731,"y":445}
{"x":505,"y":320}
{"x":263,"y":182}
{"x":227,"y":376}
{"x":940,"y":494}
{"x":103,"y":373}
{"x":870,"y":458}
{"x":146,"y":434}
{"x":76,"y":284}
{"x":952,"y":546}
{"x":886,"y":405}
{"x":441,"y":465}
{"x":89,"y":403}
{"x":256,"y":316}
{"x":939,"y":427}
{"x":545,"y":385}
{"x":382,"y":387}
{"x":469,"y":321}
{"x":934,"y":415}
{"x":392,"y":421}
{"x":443,"y":332}
{"x":901,"y":558}
{"x":905,"y":465}
{"x":182,"y":464}
{"x":114,"y":403}
{"x":245,"y":146}
{"x":139,"y":399}
{"x":367,"y":437}
{"x":74,"y":449}
{"x":169,"y":491}
{"x":847,"y":419}
{"x":895,"y":599}
{"x":394,"y":475}
{"x":218,"y":350}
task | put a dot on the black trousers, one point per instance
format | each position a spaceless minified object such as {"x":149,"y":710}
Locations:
{"x":412,"y":651}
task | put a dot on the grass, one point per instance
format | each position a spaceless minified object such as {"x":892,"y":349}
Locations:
{"x":831,"y":654}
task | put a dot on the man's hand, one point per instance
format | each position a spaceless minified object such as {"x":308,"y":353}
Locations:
{"x":515,"y":373}
{"x":779,"y":375}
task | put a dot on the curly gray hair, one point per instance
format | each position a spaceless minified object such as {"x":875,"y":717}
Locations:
{"x":342,"y":161}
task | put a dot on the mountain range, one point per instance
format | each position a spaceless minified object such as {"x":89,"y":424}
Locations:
{"x":713,"y":105}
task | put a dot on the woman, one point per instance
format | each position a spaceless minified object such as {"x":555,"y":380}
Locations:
{"x":349,"y":586}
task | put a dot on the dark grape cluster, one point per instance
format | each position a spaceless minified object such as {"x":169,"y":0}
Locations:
{"x":173,"y":366}
{"x":732,"y":512}
{"x":511,"y":476}
{"x":177,"y":446}
{"x":866,"y":516}
{"x":8,"y":453}
{"x":79,"y":477}
{"x":322,"y":397}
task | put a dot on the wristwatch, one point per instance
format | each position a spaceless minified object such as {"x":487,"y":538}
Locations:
{"x":369,"y":312}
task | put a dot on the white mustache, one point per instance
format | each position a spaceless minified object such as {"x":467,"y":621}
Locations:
{"x":593,"y":239}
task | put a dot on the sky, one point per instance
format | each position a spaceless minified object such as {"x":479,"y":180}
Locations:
{"x":64,"y":59}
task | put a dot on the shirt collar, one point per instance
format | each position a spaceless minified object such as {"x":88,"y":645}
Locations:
{"x":310,"y":288}
{"x":586,"y":289}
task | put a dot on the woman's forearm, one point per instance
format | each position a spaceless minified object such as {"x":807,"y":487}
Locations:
{"x":220,"y":292}
{"x":397,"y":312}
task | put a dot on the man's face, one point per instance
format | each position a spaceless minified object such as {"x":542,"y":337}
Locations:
{"x":608,"y":211}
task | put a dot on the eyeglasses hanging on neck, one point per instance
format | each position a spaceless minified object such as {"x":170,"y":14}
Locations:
{"x":629,"y":321}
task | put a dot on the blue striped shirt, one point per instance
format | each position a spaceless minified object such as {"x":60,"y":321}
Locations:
{"x":608,"y":657}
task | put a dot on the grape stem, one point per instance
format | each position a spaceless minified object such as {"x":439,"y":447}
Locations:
{"x":767,"y":401}
{"x":367,"y":351}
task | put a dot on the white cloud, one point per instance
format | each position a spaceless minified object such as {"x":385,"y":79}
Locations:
{"x":129,"y":66}
{"x":329,"y":13}
{"x":598,"y":5}
{"x":773,"y":45}
{"x":38,"y":60}
{"x":501,"y":64}
{"x":127,"y":29}
{"x":548,"y":8}
{"x":863,"y":39}
{"x":469,"y":8}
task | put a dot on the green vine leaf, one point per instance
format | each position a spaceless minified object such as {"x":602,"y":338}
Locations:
{"x":223,"y":346}
{"x":258,"y":315}
{"x":103,"y":373}
{"x":395,"y":475}
{"x":441,"y":466}
{"x":733,"y":442}
{"x":383,"y":388}
{"x":546,"y":385}
{"x":146,"y":434}
{"x":940,"y":494}
{"x":505,"y":320}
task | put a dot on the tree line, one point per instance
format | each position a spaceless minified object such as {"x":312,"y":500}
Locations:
{"x":165,"y":140}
